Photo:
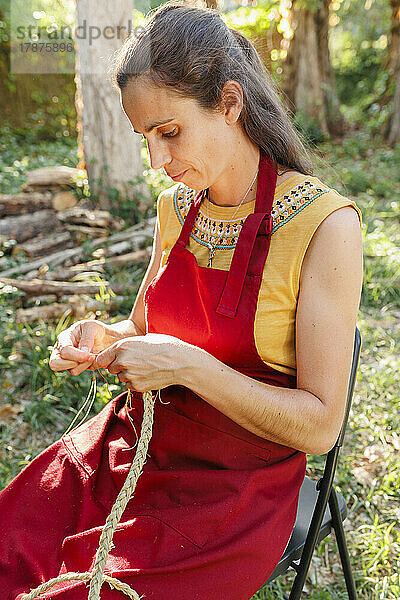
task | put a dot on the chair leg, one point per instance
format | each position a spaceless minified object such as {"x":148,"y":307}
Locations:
{"x":342,"y":545}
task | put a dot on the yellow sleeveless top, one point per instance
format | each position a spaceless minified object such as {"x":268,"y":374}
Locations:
{"x":301,"y":203}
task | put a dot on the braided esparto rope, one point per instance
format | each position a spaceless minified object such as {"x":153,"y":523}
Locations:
{"x":97,"y":577}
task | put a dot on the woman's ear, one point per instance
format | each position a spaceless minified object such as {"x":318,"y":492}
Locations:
{"x":231,"y":101}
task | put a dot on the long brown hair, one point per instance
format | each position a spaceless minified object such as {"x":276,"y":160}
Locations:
{"x":191,"y":49}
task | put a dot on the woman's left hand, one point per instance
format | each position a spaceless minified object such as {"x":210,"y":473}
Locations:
{"x":150,"y":362}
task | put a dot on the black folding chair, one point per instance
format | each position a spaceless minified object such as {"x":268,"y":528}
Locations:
{"x":320,"y":509}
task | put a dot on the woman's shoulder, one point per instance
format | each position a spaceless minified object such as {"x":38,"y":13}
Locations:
{"x":166,"y":196}
{"x":305,"y":200}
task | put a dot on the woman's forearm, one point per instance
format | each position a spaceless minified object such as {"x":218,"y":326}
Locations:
{"x":119,"y":331}
{"x":291,"y":417}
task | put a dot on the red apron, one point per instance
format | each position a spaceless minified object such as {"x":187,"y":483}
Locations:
{"x":215,"y":504}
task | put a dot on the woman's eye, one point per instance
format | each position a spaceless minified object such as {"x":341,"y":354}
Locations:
{"x":170,"y":133}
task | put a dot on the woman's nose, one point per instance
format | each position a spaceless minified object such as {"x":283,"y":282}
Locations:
{"x":159,"y":154}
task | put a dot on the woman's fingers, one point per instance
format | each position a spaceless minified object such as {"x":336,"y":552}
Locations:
{"x":75,"y":354}
{"x":82,"y":367}
{"x":65,"y":358}
{"x":56,"y":363}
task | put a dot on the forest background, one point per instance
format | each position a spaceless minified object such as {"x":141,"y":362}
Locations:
{"x":350,"y":120}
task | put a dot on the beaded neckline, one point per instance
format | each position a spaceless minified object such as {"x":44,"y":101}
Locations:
{"x":289,"y":200}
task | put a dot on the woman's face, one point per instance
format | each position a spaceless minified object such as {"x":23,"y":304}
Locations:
{"x":193,"y":145}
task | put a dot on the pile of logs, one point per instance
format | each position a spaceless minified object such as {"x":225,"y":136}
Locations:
{"x":46,"y":224}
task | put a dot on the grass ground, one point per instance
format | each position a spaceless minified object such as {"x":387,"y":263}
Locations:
{"x":37,"y":405}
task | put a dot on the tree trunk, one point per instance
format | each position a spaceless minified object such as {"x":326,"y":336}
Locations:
{"x":112,"y":155}
{"x":394,"y":43}
{"x":392,"y":133}
{"x":309,"y":81}
{"x":392,"y":125}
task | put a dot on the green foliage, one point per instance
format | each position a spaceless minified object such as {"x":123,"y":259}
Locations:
{"x":20,"y":151}
{"x":309,"y":128}
{"x":358,"y":45}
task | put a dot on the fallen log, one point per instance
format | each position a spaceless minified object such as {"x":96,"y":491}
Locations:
{"x":19,"y":204}
{"x":45,"y":313}
{"x":115,"y":249}
{"x":58,"y":258}
{"x":78,"y":307}
{"x":42,"y":245}
{"x":145,"y":228}
{"x":40,"y":287}
{"x":62,"y":274}
{"x":51,"y":177}
{"x":91,"y":218}
{"x":25,"y":227}
{"x":63,"y":200}
{"x":100,"y":265}
{"x":141,"y":231}
{"x":85,"y":231}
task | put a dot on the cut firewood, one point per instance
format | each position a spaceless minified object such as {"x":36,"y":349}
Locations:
{"x":63,"y":274}
{"x":142,"y":232}
{"x":31,"y":301}
{"x":115,"y":249}
{"x":99,"y":266}
{"x":25,"y":227}
{"x":58,"y":258}
{"x":64,"y":200}
{"x":45,"y":313}
{"x":44,"y":244}
{"x":76,"y":306}
{"x":19,"y":204}
{"x":130,"y":258}
{"x":38,"y":287}
{"x":145,"y":228}
{"x":90,"y":303}
{"x":82,"y":231}
{"x":95,"y":218}
{"x":51,"y":177}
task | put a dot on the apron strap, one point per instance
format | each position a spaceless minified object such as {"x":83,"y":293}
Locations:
{"x":257,"y":224}
{"x":190,"y":219}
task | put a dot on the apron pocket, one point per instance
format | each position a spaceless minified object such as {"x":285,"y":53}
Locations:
{"x":141,"y":542}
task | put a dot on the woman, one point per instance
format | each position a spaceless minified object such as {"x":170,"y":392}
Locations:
{"x":255,"y":262}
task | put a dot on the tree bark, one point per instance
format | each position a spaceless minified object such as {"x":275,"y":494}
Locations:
{"x":77,"y":306}
{"x":392,"y":125}
{"x":392,"y":133}
{"x":51,"y":177}
{"x":93,"y":266}
{"x":38,"y":287}
{"x":19,"y":204}
{"x":309,"y":81}
{"x":25,"y":227}
{"x":112,"y":155}
{"x":394,"y":42}
{"x":42,"y":245}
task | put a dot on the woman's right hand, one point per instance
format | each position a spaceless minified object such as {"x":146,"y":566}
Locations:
{"x":76,"y":347}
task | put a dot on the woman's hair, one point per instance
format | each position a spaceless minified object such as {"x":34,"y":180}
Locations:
{"x":191,"y":50}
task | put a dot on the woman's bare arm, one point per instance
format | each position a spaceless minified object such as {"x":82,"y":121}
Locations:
{"x":307,"y":418}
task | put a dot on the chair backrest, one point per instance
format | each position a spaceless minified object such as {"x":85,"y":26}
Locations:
{"x":333,"y":454}
{"x":324,"y":485}
{"x":350,"y":390}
